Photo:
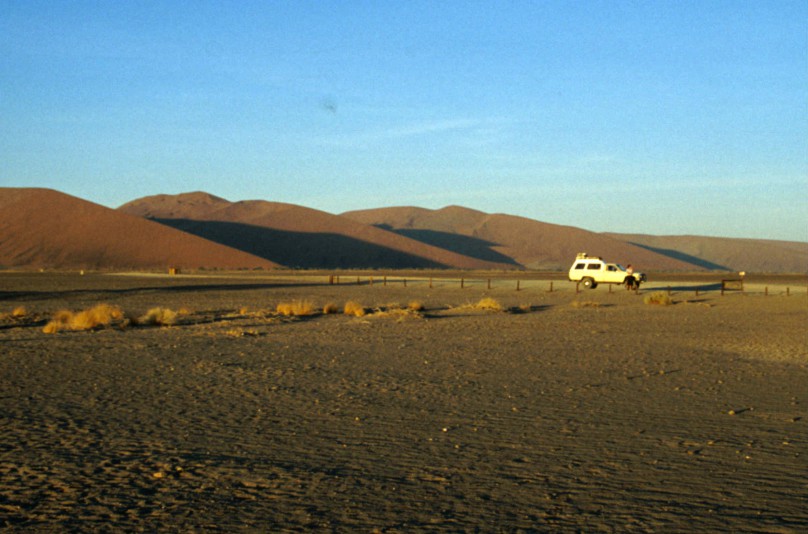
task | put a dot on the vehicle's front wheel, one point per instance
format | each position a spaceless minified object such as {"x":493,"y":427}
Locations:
{"x":589,"y":283}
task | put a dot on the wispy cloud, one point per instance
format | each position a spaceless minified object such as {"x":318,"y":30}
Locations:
{"x":428,"y":127}
{"x":476,"y":131}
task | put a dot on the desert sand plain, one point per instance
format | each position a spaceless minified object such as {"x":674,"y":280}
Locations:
{"x":605,"y":415}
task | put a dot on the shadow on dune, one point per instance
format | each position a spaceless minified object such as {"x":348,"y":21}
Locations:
{"x":681,"y":256}
{"x":474,"y":247}
{"x":301,"y":249}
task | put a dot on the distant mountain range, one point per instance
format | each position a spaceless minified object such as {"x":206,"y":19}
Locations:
{"x":42,"y":228}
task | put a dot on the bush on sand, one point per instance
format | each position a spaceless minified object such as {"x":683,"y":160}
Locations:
{"x":330,"y":308}
{"x":295,"y":308}
{"x":660,"y":298}
{"x":489,"y":303}
{"x":101,"y":315}
{"x":354,"y":308}
{"x":416,"y":306}
{"x":159,"y":317}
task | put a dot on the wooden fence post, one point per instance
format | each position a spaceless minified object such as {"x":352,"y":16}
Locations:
{"x":517,"y":285}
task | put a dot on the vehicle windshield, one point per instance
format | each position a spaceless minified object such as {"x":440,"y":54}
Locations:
{"x":621,"y":267}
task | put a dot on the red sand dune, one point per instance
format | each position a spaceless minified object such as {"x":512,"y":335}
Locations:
{"x":46,"y":228}
{"x":297,"y":236}
{"x":753,"y":255}
{"x":530,"y":243}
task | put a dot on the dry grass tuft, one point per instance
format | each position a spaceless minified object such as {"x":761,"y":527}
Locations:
{"x":354,"y":308}
{"x":296,"y":308}
{"x":330,"y":308}
{"x":399,"y":314}
{"x":416,"y":306}
{"x":101,"y":315}
{"x":488,"y":303}
{"x":585,"y":304}
{"x":660,"y":298}
{"x":16,"y":314}
{"x":159,"y":316}
{"x":240,"y":332}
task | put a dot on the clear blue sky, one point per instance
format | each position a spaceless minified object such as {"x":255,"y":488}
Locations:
{"x":660,"y":117}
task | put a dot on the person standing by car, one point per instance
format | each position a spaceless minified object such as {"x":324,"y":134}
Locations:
{"x":631,"y":282}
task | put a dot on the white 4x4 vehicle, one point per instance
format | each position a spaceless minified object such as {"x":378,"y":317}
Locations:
{"x":592,"y":270}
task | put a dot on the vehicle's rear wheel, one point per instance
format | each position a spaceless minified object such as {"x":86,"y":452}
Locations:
{"x":589,"y":283}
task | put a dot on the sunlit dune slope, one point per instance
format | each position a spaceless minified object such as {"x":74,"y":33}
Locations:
{"x":46,"y":228}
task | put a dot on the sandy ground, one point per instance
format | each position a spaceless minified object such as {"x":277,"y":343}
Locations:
{"x":608,"y":415}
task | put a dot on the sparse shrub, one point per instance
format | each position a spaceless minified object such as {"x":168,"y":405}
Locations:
{"x":63,"y":317}
{"x":399,"y":314}
{"x":330,"y":308}
{"x":239,"y":332}
{"x":159,"y":316}
{"x":354,"y":308}
{"x":295,"y":308}
{"x":89,"y":319}
{"x":659,"y":298}
{"x":53,"y":326}
{"x":488,"y":303}
{"x":585,"y":304}
{"x":16,"y":314}
{"x":416,"y":306}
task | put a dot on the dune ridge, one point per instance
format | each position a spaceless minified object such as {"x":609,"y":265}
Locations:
{"x":530,"y":243}
{"x":43,"y":228}
{"x":298,"y":236}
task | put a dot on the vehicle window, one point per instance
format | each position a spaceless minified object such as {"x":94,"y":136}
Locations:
{"x":612,"y":268}
{"x":579,"y":266}
{"x":593,"y":266}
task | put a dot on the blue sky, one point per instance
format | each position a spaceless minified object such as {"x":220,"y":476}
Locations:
{"x":649,"y":117}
